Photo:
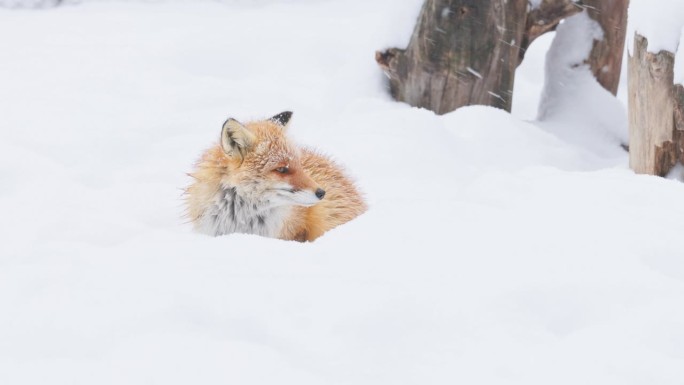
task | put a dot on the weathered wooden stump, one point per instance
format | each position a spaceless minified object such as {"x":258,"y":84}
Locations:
{"x":606,"y":55}
{"x":465,"y":52}
{"x":656,"y":111}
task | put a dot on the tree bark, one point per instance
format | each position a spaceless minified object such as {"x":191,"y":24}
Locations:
{"x":465,"y":52}
{"x":545,"y":18}
{"x":606,"y":55}
{"x":656,"y":111}
{"x":679,"y":121}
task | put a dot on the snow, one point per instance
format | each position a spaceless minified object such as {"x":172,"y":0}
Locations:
{"x":534,"y":3}
{"x":529,"y":78}
{"x":662,"y":23}
{"x":573,"y":105}
{"x":679,"y":61}
{"x":677,"y":173}
{"x":496,"y":250}
{"x":474,"y":73}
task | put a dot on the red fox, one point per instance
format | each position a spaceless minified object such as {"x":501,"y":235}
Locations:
{"x":256,"y":181}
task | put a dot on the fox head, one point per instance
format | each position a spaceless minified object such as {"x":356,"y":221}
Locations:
{"x":262,"y":164}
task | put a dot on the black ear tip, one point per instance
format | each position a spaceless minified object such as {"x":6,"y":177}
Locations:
{"x":282,"y":118}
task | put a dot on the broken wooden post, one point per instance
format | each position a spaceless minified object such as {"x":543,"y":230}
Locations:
{"x":656,"y":111}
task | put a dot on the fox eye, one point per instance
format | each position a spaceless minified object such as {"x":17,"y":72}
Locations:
{"x":282,"y":170}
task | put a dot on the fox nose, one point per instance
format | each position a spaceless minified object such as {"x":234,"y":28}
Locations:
{"x":320,"y":193}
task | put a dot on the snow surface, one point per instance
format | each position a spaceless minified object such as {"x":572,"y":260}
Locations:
{"x":495,"y":250}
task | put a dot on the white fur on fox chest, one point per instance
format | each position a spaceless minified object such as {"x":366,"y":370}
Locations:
{"x":231,"y":213}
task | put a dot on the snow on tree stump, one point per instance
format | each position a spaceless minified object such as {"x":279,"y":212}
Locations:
{"x":656,"y":111}
{"x":465,"y":52}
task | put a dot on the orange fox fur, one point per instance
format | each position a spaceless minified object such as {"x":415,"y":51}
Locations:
{"x":257,"y":181}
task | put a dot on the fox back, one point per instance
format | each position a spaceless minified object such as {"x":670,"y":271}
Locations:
{"x":256,"y":181}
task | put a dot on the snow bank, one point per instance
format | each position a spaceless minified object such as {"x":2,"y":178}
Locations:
{"x":494,"y":251}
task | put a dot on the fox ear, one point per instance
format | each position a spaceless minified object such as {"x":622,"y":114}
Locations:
{"x":282,"y":118}
{"x":236,"y":139}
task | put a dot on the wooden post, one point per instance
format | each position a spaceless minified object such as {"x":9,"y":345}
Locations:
{"x":656,"y":111}
{"x":465,"y":52}
{"x":606,"y":55}
{"x":679,"y":120}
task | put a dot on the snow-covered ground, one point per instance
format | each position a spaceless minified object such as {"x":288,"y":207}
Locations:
{"x":497,"y":250}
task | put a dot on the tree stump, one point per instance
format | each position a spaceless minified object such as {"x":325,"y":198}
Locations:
{"x":465,"y":52}
{"x":679,"y":121}
{"x":656,"y":111}
{"x":605,"y":59}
